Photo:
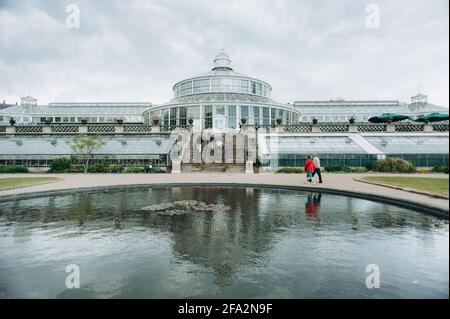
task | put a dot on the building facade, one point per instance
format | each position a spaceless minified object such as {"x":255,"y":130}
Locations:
{"x":220,"y":100}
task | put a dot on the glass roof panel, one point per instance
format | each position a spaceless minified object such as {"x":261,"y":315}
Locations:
{"x":60,"y":146}
{"x":410,"y":144}
{"x":311,"y":145}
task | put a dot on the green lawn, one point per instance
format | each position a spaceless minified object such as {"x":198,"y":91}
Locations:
{"x":425,"y":184}
{"x":12,"y":182}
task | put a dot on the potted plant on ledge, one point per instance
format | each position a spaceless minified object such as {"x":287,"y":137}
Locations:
{"x":315,"y":121}
{"x":12,"y":121}
{"x":119,"y":121}
{"x":84,"y":121}
{"x":352,"y":120}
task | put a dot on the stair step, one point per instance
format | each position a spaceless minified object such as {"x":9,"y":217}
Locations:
{"x":229,"y":168}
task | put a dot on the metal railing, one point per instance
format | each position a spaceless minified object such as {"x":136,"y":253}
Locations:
{"x":136,"y":128}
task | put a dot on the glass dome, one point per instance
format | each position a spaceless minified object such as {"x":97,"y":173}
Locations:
{"x":221,"y":99}
{"x":222,"y":78}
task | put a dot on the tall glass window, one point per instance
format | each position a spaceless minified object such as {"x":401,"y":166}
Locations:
{"x":272,"y":115}
{"x":173,"y":117}
{"x":253,"y":87}
{"x":256,"y":115}
{"x":281,"y":115}
{"x":220,"y":110}
{"x":235,"y":85}
{"x":208,"y":116}
{"x":266,"y":116}
{"x":182,"y":111}
{"x":194,"y":112}
{"x":244,"y":112}
{"x":201,"y":86}
{"x":231,"y":116}
{"x":258,"y":88}
{"x":186,"y":88}
{"x":225,"y":85}
{"x":215,"y":83}
{"x":165,"y":118}
{"x":244,"y":86}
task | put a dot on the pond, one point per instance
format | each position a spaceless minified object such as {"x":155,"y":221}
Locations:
{"x":219,"y":242}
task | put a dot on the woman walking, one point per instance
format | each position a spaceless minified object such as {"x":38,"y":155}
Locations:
{"x":309,"y":169}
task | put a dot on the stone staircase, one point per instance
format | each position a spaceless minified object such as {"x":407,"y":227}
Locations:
{"x":225,"y":168}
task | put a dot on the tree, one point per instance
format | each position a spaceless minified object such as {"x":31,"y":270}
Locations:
{"x":85,"y":146}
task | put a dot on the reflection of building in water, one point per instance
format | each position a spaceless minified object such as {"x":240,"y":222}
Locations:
{"x":223,"y":241}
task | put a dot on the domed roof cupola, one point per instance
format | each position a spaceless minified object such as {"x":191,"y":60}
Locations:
{"x":222,"y":62}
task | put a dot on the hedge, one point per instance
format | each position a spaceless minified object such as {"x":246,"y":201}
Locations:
{"x":345,"y":169}
{"x":441,"y":169}
{"x":13,"y":169}
{"x":290,"y":170}
{"x":134,"y":170}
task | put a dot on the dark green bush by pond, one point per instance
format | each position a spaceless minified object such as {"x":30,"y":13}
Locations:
{"x":441,"y":169}
{"x":13,"y":169}
{"x":97,"y":168}
{"x":134,"y":170}
{"x":60,"y":164}
{"x":345,"y":169}
{"x":393,"y":165}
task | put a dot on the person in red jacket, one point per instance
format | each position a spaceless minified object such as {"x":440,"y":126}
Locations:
{"x":309,"y":169}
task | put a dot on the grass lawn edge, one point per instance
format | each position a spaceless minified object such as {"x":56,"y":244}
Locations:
{"x":410,"y":190}
{"x":49,"y":181}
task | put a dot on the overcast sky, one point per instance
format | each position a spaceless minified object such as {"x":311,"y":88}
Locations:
{"x":307,"y":50}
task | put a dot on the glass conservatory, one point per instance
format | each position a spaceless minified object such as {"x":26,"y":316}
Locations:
{"x":354,"y":150}
{"x":221,"y":99}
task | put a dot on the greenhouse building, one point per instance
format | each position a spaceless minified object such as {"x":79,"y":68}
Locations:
{"x":225,"y":112}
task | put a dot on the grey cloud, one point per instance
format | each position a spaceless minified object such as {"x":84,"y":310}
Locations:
{"x":135,"y":50}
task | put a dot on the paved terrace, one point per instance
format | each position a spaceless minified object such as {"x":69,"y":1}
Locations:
{"x":344,"y":182}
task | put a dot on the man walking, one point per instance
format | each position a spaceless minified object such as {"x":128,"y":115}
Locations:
{"x":316,"y":161}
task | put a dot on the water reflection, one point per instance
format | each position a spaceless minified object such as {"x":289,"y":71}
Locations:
{"x":265,"y":235}
{"x":312,"y":204}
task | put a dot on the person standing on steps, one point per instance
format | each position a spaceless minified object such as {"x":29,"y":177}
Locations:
{"x":317,"y":171}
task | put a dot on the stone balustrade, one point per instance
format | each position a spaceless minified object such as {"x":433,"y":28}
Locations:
{"x":139,"y":129}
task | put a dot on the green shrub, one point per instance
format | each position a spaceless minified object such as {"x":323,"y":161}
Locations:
{"x":291,"y":170}
{"x":441,"y":169}
{"x":13,"y":169}
{"x":114,"y":168}
{"x":345,"y":169}
{"x":331,"y":169}
{"x":60,"y":164}
{"x":134,"y":170}
{"x":98,"y":168}
{"x":156,"y":170}
{"x":393,"y":165}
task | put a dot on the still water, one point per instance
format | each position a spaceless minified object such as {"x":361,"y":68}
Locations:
{"x":221,"y":243}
